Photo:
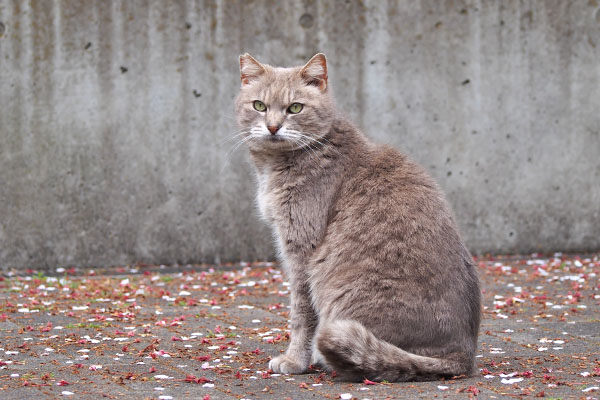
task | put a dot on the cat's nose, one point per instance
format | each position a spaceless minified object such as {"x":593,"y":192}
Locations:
{"x":273,"y":128}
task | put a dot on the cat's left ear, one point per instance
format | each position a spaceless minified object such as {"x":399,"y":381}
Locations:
{"x":250,"y":69}
{"x":315,"y":71}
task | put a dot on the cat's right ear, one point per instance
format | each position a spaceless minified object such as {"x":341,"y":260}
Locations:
{"x":250,"y":69}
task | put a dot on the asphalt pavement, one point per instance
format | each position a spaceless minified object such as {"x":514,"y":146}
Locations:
{"x":208,"y":332}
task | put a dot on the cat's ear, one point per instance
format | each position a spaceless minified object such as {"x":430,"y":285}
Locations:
{"x":315,"y":71}
{"x":250,"y":69}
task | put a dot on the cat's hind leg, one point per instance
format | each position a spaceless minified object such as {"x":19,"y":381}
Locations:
{"x":355,"y":354}
{"x":318,"y":360}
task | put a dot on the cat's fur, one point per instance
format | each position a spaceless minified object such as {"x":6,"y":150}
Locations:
{"x":382,"y":286}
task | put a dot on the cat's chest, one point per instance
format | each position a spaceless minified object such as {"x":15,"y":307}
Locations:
{"x":263,"y":198}
{"x":280,"y":201}
{"x":286,"y":205}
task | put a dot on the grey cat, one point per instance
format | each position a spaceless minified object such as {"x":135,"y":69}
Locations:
{"x":382,"y":286}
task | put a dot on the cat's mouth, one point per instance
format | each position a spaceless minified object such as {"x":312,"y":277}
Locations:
{"x":274,"y":140}
{"x":281,"y":143}
{"x":275,"y":143}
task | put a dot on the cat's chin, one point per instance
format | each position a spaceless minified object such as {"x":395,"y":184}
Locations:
{"x":273,"y":144}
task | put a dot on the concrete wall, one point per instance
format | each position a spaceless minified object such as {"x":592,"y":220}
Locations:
{"x":115,"y":118}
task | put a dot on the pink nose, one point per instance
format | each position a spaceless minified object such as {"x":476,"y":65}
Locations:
{"x":273,"y":128}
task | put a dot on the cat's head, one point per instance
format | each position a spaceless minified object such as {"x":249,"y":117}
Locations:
{"x":282,"y":109}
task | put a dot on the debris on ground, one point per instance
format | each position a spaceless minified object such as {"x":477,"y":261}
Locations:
{"x":208,"y":332}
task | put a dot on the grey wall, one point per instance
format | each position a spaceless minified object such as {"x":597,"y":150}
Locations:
{"x":114,"y":119}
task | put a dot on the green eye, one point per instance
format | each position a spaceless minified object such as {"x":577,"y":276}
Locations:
{"x":295,"y":108}
{"x":259,"y":105}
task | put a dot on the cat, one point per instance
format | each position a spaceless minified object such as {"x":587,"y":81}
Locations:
{"x":381,"y":285}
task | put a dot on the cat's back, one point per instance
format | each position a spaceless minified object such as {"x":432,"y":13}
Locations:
{"x":385,"y":186}
{"x":391,"y":214}
{"x":389,"y":210}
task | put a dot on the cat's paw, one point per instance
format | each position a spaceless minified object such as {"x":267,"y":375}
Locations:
{"x":285,"y":365}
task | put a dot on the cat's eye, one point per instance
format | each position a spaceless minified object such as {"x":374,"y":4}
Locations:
{"x":295,"y":108}
{"x":259,"y":105}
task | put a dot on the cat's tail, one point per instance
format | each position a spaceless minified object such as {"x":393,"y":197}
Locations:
{"x":356,"y":354}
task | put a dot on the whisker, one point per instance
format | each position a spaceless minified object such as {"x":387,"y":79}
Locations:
{"x":316,"y":138}
{"x":233,"y":137}
{"x":313,"y":141}
{"x":306,"y":146}
{"x":229,"y":153}
{"x":238,"y":144}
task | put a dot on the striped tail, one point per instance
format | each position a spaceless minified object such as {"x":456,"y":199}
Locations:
{"x":356,"y":354}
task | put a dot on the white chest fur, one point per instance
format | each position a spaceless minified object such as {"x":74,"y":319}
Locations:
{"x":262,"y":195}
{"x":266,"y":202}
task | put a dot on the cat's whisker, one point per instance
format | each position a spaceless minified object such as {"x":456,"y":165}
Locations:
{"x":306,"y":147}
{"x":313,"y":150}
{"x":309,"y":149}
{"x":311,"y":143}
{"x":233,"y":149}
{"x":329,"y":144}
{"x":248,"y":132}
{"x":317,"y":139}
{"x":235,"y":132}
{"x":299,"y":134}
{"x":303,"y":143}
{"x":233,"y":137}
{"x":238,"y":144}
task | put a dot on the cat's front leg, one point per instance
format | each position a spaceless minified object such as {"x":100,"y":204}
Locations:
{"x":303,"y":322}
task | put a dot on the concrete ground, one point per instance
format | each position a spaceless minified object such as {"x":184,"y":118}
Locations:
{"x":208,"y":333}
